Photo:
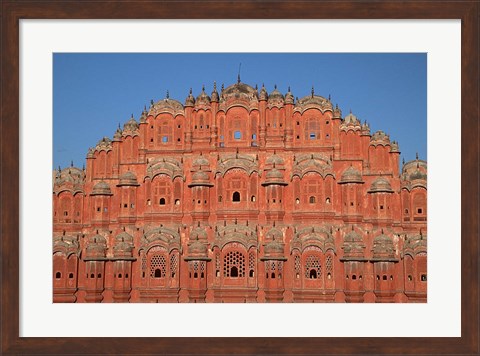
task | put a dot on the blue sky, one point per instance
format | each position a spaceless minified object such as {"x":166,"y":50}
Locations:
{"x":93,"y":93}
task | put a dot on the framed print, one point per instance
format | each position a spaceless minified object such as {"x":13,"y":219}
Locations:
{"x":446,"y":32}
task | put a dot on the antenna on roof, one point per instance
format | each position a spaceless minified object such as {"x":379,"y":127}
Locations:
{"x":239,"y":67}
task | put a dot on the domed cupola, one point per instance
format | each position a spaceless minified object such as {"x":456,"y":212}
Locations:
{"x":289,"y":99}
{"x":128,"y":179}
{"x":418,"y":175}
{"x":353,"y":245}
{"x":351,"y":175}
{"x":190,"y":100}
{"x":101,"y":188}
{"x":394,"y":147}
{"x":351,"y":119}
{"x":274,"y":176}
{"x":214,"y":94}
{"x":380,"y":185}
{"x":130,"y":126}
{"x":203,"y":98}
{"x":117,"y":136}
{"x":96,"y":248}
{"x":380,"y":138}
{"x":337,"y":113}
{"x":197,"y":249}
{"x":263,"y":94}
{"x":123,"y":247}
{"x":143,"y":117}
{"x":274,"y":250}
{"x":200,"y":162}
{"x":383,"y":248}
{"x":200,"y":178}
{"x":274,"y":160}
{"x":105,"y":144}
{"x":275,"y":97}
{"x":366,"y":130}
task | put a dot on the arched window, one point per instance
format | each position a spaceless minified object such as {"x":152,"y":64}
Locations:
{"x":234,"y":264}
{"x":253,"y":199}
{"x":58,"y":275}
{"x":158,"y":266}
{"x":236,"y":197}
{"x":162,"y":201}
{"x":311,"y":200}
{"x":237,"y":135}
{"x":313,"y":268}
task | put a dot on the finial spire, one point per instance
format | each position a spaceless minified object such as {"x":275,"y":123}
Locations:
{"x":214,"y":86}
{"x":71,"y":163}
{"x":203,"y":88}
{"x":289,"y":88}
{"x":168,"y":95}
{"x":275,"y":86}
{"x":239,"y":67}
{"x":416,"y":155}
{"x":313,"y":91}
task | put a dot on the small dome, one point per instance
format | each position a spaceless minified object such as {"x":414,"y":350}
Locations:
{"x":274,"y":248}
{"x":381,"y":185}
{"x":199,"y":233}
{"x":101,"y":188}
{"x":351,"y":175}
{"x":128,"y":178}
{"x":123,"y":245}
{"x":383,"y":247}
{"x":275,"y":96}
{"x":337,"y":113}
{"x":352,"y":236}
{"x":131,"y":125}
{"x":97,"y":239}
{"x":394,"y":147}
{"x":104,"y":144}
{"x":201,"y":161}
{"x":117,"y":136}
{"x":289,"y":99}
{"x":197,"y":248}
{"x":167,"y":104}
{"x":96,"y":247}
{"x":203,"y":98}
{"x":380,"y":138}
{"x":190,"y":100}
{"x":351,"y":119}
{"x":263,"y":94}
{"x":214,"y":94}
{"x":274,"y":174}
{"x":418,"y":175}
{"x":124,"y":237}
{"x":275,"y":160}
{"x":200,"y":176}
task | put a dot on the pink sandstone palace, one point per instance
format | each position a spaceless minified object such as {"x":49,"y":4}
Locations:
{"x":241,"y":196}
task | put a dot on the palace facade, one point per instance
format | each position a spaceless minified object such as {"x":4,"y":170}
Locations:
{"x":241,"y":196}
